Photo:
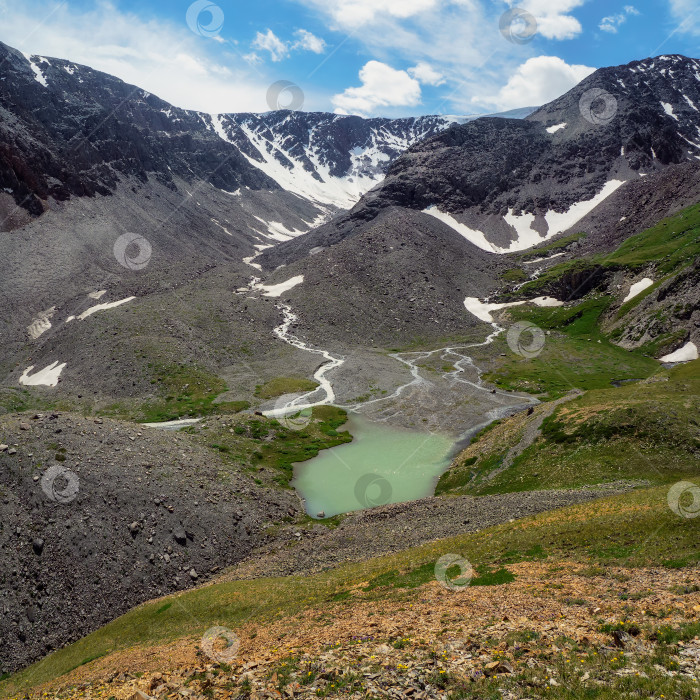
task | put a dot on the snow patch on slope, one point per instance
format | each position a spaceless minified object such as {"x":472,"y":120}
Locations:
{"x":103,"y":307}
{"x":278,"y":231}
{"x":46,"y":377}
{"x":638,"y":288}
{"x":276,"y":290}
{"x":560,"y":222}
{"x":478,"y":238}
{"x":669,"y":110}
{"x":41,"y":323}
{"x":482,"y":310}
{"x":685,"y":354}
{"x":38,"y":74}
{"x":526,"y":236}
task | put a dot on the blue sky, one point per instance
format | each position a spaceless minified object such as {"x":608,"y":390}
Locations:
{"x":369,"y":57}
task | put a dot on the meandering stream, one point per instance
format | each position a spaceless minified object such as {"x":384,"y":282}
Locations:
{"x":283,"y":333}
{"x":384,"y":463}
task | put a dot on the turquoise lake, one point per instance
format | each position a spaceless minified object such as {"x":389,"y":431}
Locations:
{"x":383,"y":464}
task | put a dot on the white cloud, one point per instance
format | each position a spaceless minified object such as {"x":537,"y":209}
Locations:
{"x":458,"y":39}
{"x":279,"y":49}
{"x":166,"y":59}
{"x":306,"y":41}
{"x":687,"y":13}
{"x":554,"y":18}
{"x":426,"y":74}
{"x":382,"y":86}
{"x":269,"y":42}
{"x":612,"y":23}
{"x":351,"y":14}
{"x":537,"y":81}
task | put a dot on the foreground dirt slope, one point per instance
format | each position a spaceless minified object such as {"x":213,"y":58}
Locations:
{"x":559,"y":626}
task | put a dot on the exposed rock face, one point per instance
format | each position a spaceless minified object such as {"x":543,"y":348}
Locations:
{"x":327,"y":158}
{"x":68,"y":130}
{"x":671,"y":311}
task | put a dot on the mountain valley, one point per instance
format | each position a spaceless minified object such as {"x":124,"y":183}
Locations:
{"x":194,"y":305}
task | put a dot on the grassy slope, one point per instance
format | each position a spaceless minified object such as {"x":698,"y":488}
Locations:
{"x":670,"y":245}
{"x":267,"y":446}
{"x":579,"y":352}
{"x":178,"y":391}
{"x":633,"y":530}
{"x":645,"y":430}
{"x":284,"y":385}
{"x":576,"y":354}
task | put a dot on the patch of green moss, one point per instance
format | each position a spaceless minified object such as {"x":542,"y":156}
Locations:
{"x":284,"y":385}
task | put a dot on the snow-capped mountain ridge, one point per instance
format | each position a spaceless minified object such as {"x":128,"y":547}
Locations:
{"x":95,"y":129}
{"x":329,"y":159}
{"x":507,"y":185}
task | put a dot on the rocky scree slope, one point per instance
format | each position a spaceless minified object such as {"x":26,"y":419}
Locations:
{"x":87,"y":159}
{"x":139,"y":514}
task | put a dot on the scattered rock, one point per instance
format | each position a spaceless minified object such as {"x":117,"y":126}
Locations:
{"x":495,"y":667}
{"x":140,"y":695}
{"x":179,"y":535}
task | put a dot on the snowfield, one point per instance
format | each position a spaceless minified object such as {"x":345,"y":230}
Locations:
{"x":46,"y":377}
{"x":638,"y":288}
{"x":103,"y":307}
{"x":526,"y":235}
{"x":482,"y":310}
{"x":41,"y":323}
{"x":276,"y":290}
{"x":685,"y":354}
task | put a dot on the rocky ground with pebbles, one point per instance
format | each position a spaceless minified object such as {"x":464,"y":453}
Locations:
{"x":399,"y":526}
